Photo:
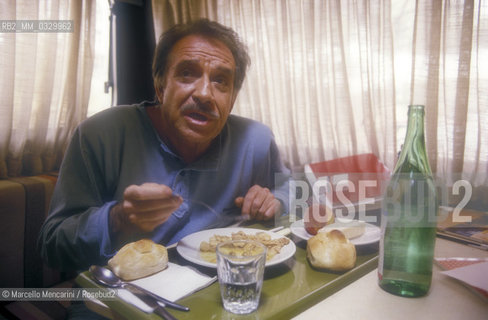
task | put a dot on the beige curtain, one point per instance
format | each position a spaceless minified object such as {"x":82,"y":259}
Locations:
{"x":335,"y":78}
{"x":44,"y":84}
{"x":450,"y":76}
{"x":321,"y":74}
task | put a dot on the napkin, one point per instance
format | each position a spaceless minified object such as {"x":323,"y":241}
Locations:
{"x":471,"y":274}
{"x":173,"y":283}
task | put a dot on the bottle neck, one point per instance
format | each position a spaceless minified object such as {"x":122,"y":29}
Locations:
{"x":414,"y":155}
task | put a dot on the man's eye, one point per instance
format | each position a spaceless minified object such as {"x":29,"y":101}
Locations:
{"x":186,"y":73}
{"x":221,"y":81}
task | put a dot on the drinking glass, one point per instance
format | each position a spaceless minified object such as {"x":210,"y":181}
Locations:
{"x":240,"y":269}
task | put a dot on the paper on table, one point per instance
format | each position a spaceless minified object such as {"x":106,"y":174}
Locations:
{"x":473,"y":275}
{"x":173,"y":283}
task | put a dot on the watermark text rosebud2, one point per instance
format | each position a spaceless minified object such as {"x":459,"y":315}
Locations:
{"x":351,"y":197}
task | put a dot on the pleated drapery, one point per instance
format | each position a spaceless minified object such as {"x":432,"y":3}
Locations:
{"x":335,"y":78}
{"x":44,"y":84}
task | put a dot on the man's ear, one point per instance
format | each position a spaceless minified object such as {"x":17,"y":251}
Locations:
{"x":159,"y":93}
{"x":234,"y":97}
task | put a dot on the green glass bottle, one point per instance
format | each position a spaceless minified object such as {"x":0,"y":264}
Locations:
{"x":408,"y":217}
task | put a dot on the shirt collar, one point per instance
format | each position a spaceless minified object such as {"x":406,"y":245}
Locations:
{"x":211,"y":159}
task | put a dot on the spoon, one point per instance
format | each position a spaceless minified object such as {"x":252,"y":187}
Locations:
{"x":106,"y":277}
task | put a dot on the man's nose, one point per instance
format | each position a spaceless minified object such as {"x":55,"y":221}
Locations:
{"x":203,"y":90}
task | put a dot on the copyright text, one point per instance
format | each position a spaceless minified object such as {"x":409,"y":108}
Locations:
{"x":58,"y":294}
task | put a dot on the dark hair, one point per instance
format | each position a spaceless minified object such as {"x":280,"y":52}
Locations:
{"x":206,"y":28}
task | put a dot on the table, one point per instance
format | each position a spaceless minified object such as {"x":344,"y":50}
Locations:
{"x":447,"y":299}
{"x":294,"y":289}
{"x":288,"y":289}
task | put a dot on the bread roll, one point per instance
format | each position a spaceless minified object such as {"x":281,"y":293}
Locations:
{"x":351,"y":229}
{"x":331,"y":250}
{"x":139,"y":259}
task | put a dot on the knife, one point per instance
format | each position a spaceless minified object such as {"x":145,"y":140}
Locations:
{"x":152,"y":303}
{"x":133,"y":288}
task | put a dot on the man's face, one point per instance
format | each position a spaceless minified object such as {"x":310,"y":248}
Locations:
{"x":198,"y":90}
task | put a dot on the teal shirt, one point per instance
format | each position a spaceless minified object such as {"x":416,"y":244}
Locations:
{"x":119,"y":147}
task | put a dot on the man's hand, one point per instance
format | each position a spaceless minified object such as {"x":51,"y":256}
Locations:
{"x":259,"y":203}
{"x":144,"y":208}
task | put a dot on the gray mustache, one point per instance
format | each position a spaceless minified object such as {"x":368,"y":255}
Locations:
{"x":197,"y":107}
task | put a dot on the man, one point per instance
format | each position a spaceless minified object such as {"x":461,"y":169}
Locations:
{"x":167,"y":170}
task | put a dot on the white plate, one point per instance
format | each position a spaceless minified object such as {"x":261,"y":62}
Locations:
{"x":371,"y":233}
{"x":189,"y":246}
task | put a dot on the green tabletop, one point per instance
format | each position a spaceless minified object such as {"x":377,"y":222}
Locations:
{"x":289,"y":288}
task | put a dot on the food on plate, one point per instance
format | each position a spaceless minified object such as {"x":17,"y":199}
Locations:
{"x":207,"y":249}
{"x":242,"y":248}
{"x":139,"y":259}
{"x":351,"y":229}
{"x":316,"y":217}
{"x":331,"y":250}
